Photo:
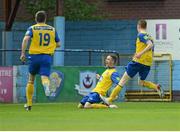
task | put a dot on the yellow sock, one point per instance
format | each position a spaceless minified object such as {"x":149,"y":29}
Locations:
{"x":114,"y":93}
{"x":29,"y":93}
{"x":99,"y":106}
{"x":149,"y":85}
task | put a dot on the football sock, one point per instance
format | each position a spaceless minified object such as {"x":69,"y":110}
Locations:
{"x":114,"y":93}
{"x":45,"y":82}
{"x":149,"y":85}
{"x":99,"y":106}
{"x":29,"y":93}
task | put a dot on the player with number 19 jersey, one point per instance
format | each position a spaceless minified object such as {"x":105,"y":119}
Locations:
{"x":42,"y":47}
{"x":43,"y":39}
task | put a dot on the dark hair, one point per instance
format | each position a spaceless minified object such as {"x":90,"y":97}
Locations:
{"x":142,"y":23}
{"x":40,"y":16}
{"x":114,"y":57}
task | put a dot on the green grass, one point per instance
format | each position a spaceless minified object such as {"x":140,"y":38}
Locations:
{"x":66,"y":116}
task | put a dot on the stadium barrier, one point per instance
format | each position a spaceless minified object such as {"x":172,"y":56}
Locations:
{"x":67,"y":81}
{"x":15,"y":89}
{"x":73,"y":57}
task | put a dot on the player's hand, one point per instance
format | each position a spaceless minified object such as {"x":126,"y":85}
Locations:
{"x":23,"y":57}
{"x":98,"y":76}
{"x":138,"y":55}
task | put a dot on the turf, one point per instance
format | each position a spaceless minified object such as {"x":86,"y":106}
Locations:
{"x":66,"y":116}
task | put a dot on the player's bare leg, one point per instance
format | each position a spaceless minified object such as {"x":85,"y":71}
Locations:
{"x":29,"y":92}
{"x":46,"y":84}
{"x":152,"y":85}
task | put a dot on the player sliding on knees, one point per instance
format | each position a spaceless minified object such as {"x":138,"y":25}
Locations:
{"x":141,"y":63}
{"x":96,"y":99}
{"x":44,"y":40}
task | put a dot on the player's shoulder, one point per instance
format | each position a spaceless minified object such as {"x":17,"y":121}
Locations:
{"x":115,"y":73}
{"x":29,"y":31}
{"x":144,"y":36}
{"x":30,"y":27}
{"x":50,"y":27}
{"x":115,"y":77}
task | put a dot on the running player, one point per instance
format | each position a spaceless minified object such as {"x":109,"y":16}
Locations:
{"x":140,"y":64}
{"x":44,"y":40}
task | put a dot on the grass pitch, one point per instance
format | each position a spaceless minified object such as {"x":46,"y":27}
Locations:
{"x":66,"y":116}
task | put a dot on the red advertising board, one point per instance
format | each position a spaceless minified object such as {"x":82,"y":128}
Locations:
{"x":6,"y":84}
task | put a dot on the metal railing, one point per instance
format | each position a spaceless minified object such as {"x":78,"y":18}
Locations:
{"x":72,"y":57}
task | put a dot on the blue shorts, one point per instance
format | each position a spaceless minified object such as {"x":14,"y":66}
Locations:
{"x":40,"y":64}
{"x":134,"y":67}
{"x":92,"y":97}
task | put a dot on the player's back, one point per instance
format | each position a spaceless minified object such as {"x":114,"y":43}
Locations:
{"x":141,"y":43}
{"x":42,"y":39}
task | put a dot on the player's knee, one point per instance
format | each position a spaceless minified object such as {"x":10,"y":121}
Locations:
{"x":80,"y":106}
{"x":141,"y":83}
{"x":87,"y":105}
{"x":31,"y":77}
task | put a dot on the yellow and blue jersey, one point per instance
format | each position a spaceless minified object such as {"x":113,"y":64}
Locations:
{"x":43,"y":39}
{"x":106,"y":80}
{"x":42,"y":46}
{"x":141,"y":43}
